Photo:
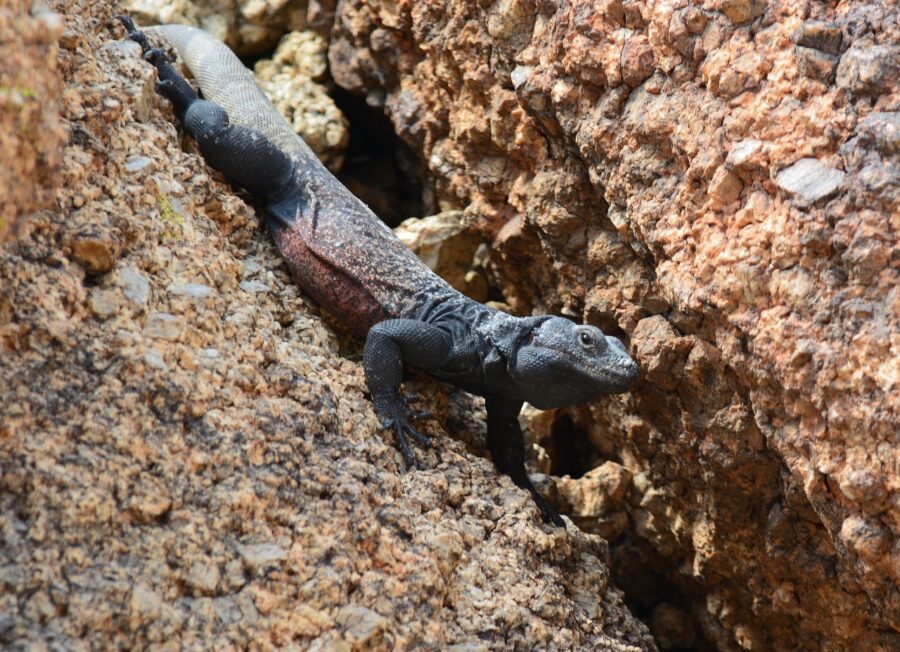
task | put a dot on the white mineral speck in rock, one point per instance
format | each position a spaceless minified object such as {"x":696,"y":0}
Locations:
{"x":162,"y":326}
{"x":742,"y":151}
{"x":810,"y":180}
{"x":254,"y":286}
{"x":258,"y":555}
{"x":520,"y":75}
{"x":193,"y":290}
{"x":154,"y":359}
{"x":137,"y":163}
{"x":135,"y":286}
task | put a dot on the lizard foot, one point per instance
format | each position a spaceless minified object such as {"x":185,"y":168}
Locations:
{"x":134,"y":33}
{"x":395,"y":414}
{"x":416,"y":415}
{"x":549,"y":514}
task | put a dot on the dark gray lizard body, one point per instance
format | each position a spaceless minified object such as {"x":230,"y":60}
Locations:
{"x":349,"y":261}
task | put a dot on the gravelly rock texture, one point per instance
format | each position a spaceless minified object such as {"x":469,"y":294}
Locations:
{"x":30,"y":129}
{"x":719,"y":180}
{"x":249,"y":27}
{"x":187,"y":454}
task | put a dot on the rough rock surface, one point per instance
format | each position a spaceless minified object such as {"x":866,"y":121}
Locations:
{"x":635,"y":162}
{"x":30,"y":129}
{"x":249,"y":27}
{"x":187,"y":454}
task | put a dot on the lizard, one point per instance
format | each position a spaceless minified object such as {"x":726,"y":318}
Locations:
{"x":350,"y":262}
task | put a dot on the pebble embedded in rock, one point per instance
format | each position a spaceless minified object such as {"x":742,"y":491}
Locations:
{"x":162,"y":326}
{"x":820,"y":35}
{"x":203,"y":577}
{"x":881,"y":130}
{"x":743,"y":153}
{"x":104,"y":303}
{"x":725,"y":187}
{"x":137,"y":163}
{"x":96,"y":250}
{"x":155,"y":359}
{"x":254,"y":286}
{"x":361,"y":625}
{"x":192,"y":290}
{"x":816,"y":64}
{"x":135,"y":286}
{"x":740,"y":11}
{"x":869,"y":69}
{"x":810,"y":180}
{"x":259,"y":555}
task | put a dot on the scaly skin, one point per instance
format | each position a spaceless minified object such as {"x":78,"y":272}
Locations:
{"x":349,"y":261}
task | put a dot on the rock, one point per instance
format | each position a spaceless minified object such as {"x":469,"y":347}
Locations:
{"x":363,"y":627}
{"x":30,"y":102}
{"x":254,"y":286}
{"x":725,"y":187}
{"x":249,"y":27}
{"x":740,"y":11}
{"x":155,"y":359}
{"x":881,"y":131}
{"x":810,"y":180}
{"x":192,"y":290}
{"x":443,"y":244}
{"x":746,"y":154}
{"x":869,"y":70}
{"x":105,"y":303}
{"x":135,"y":286}
{"x":597,"y":202}
{"x":203,"y":578}
{"x":637,"y":61}
{"x":816,"y":65}
{"x":672,"y":627}
{"x":820,"y":35}
{"x":259,"y":555}
{"x":96,"y":250}
{"x":134,"y":164}
{"x":145,"y":605}
{"x":162,"y":326}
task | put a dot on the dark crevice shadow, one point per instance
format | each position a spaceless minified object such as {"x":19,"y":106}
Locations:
{"x":379,"y":167}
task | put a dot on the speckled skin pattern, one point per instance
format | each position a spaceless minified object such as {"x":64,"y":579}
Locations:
{"x":352,"y":263}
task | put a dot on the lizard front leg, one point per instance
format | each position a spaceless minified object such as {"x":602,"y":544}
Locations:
{"x":389,"y":345}
{"x":507,"y":447}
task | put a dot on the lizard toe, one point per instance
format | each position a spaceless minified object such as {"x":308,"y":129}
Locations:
{"x":548,"y":512}
{"x":421,"y":415}
{"x":422,"y":440}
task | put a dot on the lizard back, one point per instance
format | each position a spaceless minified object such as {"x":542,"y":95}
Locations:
{"x":336,"y":247}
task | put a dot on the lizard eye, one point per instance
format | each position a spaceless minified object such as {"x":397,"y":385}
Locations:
{"x":585,"y":338}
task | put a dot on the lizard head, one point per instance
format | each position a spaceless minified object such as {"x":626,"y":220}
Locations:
{"x":562,"y":363}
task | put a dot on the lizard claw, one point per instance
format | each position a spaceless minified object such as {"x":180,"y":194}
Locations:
{"x":548,"y":511}
{"x":397,"y":419}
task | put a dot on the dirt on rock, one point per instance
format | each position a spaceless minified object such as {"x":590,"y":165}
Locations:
{"x":188,"y":457}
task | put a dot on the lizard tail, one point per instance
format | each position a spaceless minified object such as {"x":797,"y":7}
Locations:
{"x":224,"y":80}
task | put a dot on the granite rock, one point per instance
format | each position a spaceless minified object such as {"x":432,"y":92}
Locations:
{"x":634,"y":164}
{"x":184,"y":463}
